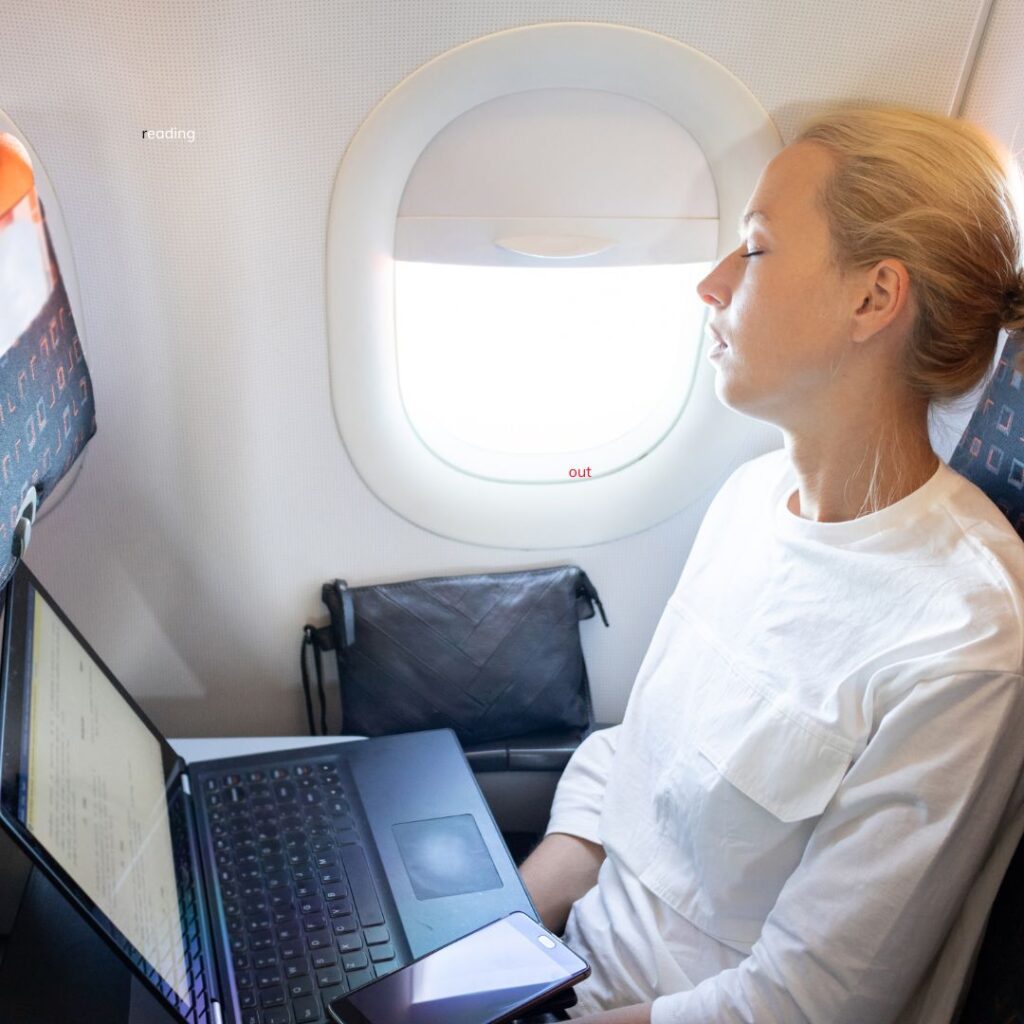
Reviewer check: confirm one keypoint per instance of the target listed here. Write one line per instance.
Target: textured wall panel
(995, 91)
(217, 494)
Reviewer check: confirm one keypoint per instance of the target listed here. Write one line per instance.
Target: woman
(825, 733)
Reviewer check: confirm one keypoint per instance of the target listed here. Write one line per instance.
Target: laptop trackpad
(445, 856)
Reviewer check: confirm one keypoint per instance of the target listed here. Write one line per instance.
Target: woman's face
(777, 301)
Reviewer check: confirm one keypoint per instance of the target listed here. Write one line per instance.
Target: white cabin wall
(217, 495)
(994, 96)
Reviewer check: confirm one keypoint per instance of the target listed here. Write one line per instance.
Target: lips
(718, 346)
(716, 337)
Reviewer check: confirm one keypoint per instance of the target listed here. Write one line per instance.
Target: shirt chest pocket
(740, 802)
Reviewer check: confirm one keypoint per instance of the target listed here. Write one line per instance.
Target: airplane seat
(46, 405)
(991, 454)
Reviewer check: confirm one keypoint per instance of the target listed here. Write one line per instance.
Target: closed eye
(755, 252)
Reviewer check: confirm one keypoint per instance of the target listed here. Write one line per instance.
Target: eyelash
(756, 252)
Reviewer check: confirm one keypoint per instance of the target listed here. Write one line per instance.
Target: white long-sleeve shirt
(822, 745)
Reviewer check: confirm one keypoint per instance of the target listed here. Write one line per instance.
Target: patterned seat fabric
(46, 401)
(991, 451)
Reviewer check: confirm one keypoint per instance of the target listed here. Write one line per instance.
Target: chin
(726, 390)
(732, 396)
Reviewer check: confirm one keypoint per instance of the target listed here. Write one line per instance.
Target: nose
(714, 289)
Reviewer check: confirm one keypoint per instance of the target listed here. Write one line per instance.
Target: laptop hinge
(185, 784)
(23, 524)
(217, 1015)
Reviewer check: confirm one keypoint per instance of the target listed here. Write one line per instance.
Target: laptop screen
(94, 790)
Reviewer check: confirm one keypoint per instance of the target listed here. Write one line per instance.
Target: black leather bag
(490, 656)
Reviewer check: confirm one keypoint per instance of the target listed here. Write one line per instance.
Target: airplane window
(546, 322)
(548, 246)
(514, 241)
(532, 373)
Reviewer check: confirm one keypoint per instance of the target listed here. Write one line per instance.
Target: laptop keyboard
(304, 920)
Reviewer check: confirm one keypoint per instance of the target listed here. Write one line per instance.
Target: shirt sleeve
(576, 809)
(886, 868)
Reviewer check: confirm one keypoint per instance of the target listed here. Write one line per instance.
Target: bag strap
(338, 599)
(340, 634)
(587, 591)
(307, 642)
(317, 640)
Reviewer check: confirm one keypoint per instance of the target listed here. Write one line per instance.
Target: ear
(882, 299)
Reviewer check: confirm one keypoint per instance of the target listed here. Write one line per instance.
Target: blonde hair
(938, 194)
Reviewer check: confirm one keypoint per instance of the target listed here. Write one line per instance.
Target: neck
(861, 467)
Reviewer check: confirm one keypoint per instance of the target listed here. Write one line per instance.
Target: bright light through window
(540, 361)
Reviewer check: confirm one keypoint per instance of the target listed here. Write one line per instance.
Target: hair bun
(1012, 314)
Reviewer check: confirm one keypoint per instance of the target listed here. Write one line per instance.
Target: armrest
(536, 752)
(543, 752)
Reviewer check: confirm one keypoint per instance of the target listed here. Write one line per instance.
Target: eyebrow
(747, 217)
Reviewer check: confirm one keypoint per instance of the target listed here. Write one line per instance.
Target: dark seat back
(991, 455)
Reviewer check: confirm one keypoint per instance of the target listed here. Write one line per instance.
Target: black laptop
(250, 890)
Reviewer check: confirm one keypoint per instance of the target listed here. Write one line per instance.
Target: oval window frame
(737, 137)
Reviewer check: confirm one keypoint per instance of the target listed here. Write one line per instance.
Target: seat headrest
(46, 401)
(991, 451)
